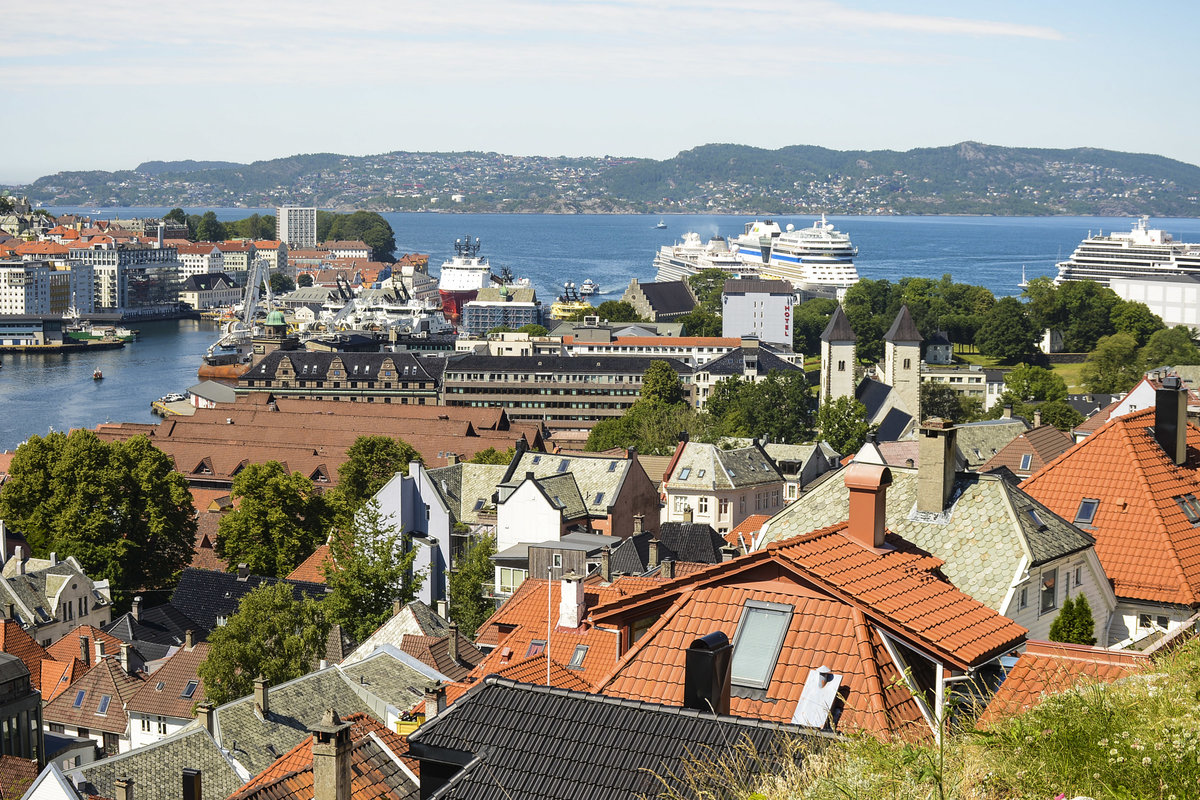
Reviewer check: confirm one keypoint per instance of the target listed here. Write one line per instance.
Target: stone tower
(902, 362)
(837, 358)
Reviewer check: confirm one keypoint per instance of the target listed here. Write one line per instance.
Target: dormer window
(757, 643)
(1087, 511)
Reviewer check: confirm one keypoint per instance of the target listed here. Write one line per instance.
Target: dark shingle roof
(668, 297)
(872, 394)
(157, 769)
(159, 629)
(501, 733)
(694, 542)
(733, 363)
(838, 329)
(207, 282)
(203, 595)
(315, 364)
(903, 329)
(893, 425)
(627, 365)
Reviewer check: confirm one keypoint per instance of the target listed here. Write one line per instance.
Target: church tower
(838, 344)
(902, 362)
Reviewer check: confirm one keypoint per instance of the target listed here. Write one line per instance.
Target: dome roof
(276, 318)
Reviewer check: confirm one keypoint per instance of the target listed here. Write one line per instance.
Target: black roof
(903, 328)
(204, 594)
(159, 629)
(732, 363)
(545, 743)
(939, 337)
(872, 394)
(893, 425)
(590, 364)
(838, 329)
(668, 297)
(680, 541)
(207, 282)
(315, 364)
(756, 285)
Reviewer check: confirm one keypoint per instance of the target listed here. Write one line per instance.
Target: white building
(202, 258)
(24, 287)
(50, 598)
(757, 308)
(297, 227)
(1175, 298)
(706, 484)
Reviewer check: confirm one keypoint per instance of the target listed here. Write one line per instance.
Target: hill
(966, 178)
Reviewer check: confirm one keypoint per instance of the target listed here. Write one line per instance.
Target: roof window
(684, 473)
(700, 474)
(1037, 520)
(535, 648)
(102, 706)
(599, 498)
(536, 460)
(79, 698)
(190, 689)
(612, 466)
(1087, 511)
(1190, 506)
(1026, 460)
(564, 465)
(578, 656)
(757, 643)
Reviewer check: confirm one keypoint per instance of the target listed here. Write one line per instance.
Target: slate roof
(563, 493)
(434, 651)
(105, 679)
(392, 676)
(414, 619)
(203, 595)
(872, 394)
(757, 285)
(463, 486)
(668, 297)
(157, 768)
(503, 731)
(838, 329)
(603, 477)
(733, 363)
(903, 329)
(159, 629)
(713, 469)
(893, 425)
(1042, 444)
(1047, 668)
(980, 441)
(208, 282)
(35, 588)
(1089, 404)
(1145, 542)
(981, 542)
(315, 364)
(162, 692)
(680, 541)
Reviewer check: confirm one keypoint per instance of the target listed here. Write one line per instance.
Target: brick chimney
(453, 642)
(652, 557)
(85, 651)
(687, 514)
(207, 716)
(243, 571)
(397, 606)
(1006, 411)
(123, 787)
(435, 700)
(668, 569)
(331, 747)
(572, 606)
(868, 502)
(261, 698)
(135, 610)
(606, 563)
(191, 784)
(189, 640)
(936, 458)
(1170, 419)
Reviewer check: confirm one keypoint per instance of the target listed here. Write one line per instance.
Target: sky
(89, 85)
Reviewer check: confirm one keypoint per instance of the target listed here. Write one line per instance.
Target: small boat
(661, 225)
(588, 288)
(97, 374)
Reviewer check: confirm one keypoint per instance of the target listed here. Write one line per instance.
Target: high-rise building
(297, 227)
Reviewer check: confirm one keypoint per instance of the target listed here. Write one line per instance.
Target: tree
(371, 462)
(939, 400)
(1170, 347)
(272, 634)
(1137, 320)
(209, 228)
(616, 311)
(708, 286)
(661, 384)
(118, 507)
(843, 423)
(533, 329)
(1060, 414)
(809, 320)
(1007, 332)
(1025, 384)
(779, 406)
(281, 284)
(473, 571)
(277, 521)
(701, 322)
(305, 279)
(176, 215)
(649, 427)
(493, 456)
(1113, 366)
(371, 567)
(1074, 623)
(364, 226)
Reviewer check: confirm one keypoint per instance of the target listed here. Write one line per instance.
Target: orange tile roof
(312, 569)
(1145, 543)
(103, 679)
(42, 249)
(506, 664)
(67, 647)
(742, 534)
(1051, 667)
(57, 676)
(15, 641)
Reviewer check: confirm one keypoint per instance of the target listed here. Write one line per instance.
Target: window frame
(751, 608)
(578, 656)
(1050, 591)
(1086, 519)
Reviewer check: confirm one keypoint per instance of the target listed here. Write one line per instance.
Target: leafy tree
(708, 285)
(176, 215)
(371, 462)
(843, 423)
(939, 400)
(493, 456)
(652, 428)
(1113, 366)
(1170, 347)
(1026, 383)
(473, 571)
(1007, 332)
(617, 311)
(1137, 320)
(305, 279)
(1060, 414)
(701, 322)
(661, 384)
(272, 634)
(118, 507)
(209, 228)
(364, 226)
(281, 284)
(371, 567)
(533, 329)
(277, 521)
(809, 320)
(1074, 623)
(779, 406)
(6, 205)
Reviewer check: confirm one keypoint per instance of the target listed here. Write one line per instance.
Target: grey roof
(207, 282)
(491, 294)
(979, 441)
(563, 492)
(895, 423)
(11, 668)
(157, 768)
(619, 329)
(29, 591)
(315, 364)
(838, 329)
(591, 363)
(415, 619)
(732, 363)
(939, 338)
(694, 542)
(467, 489)
(545, 744)
(903, 328)
(1088, 404)
(393, 676)
(710, 467)
(214, 391)
(757, 286)
(203, 595)
(599, 478)
(668, 297)
(982, 539)
(872, 394)
(159, 629)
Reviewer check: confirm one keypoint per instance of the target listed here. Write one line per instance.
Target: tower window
(841, 366)
(908, 363)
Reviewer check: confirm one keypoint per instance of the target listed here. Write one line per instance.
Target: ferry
(661, 225)
(1144, 252)
(588, 288)
(817, 260)
(569, 303)
(684, 259)
(462, 277)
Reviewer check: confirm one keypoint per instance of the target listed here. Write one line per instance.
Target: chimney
(1006, 413)
(453, 642)
(451, 459)
(243, 571)
(19, 555)
(260, 695)
(189, 640)
(191, 784)
(125, 666)
(99, 650)
(135, 610)
(571, 606)
(53, 559)
(1037, 418)
(937, 457)
(706, 674)
(10, 611)
(85, 651)
(443, 609)
(207, 715)
(652, 557)
(1170, 419)
(606, 563)
(124, 788)
(668, 569)
(687, 514)
(331, 746)
(397, 606)
(639, 521)
(868, 502)
(435, 700)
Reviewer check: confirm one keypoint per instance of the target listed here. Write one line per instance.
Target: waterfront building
(501, 306)
(296, 227)
(24, 330)
(372, 377)
(214, 290)
(346, 249)
(131, 275)
(695, 351)
(237, 256)
(24, 288)
(757, 308)
(200, 258)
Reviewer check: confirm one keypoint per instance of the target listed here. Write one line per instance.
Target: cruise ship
(817, 260)
(754, 245)
(1141, 253)
(681, 260)
(462, 277)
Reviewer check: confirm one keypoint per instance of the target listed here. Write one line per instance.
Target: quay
(63, 347)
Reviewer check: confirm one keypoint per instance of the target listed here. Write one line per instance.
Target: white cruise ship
(1142, 253)
(680, 261)
(817, 260)
(754, 245)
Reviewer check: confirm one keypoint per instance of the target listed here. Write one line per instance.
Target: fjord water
(38, 393)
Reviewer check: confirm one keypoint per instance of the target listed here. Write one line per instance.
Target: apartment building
(296, 227)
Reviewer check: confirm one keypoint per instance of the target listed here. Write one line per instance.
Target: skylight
(79, 698)
(102, 707)
(1026, 460)
(1087, 511)
(1190, 506)
(564, 465)
(757, 643)
(700, 474)
(578, 656)
(612, 466)
(684, 473)
(535, 648)
(190, 689)
(159, 687)
(536, 459)
(1037, 520)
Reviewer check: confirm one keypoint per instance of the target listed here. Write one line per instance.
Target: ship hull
(453, 300)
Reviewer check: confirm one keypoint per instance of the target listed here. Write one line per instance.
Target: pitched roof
(467, 489)
(414, 619)
(504, 731)
(14, 640)
(312, 569)
(16, 775)
(164, 692)
(68, 646)
(838, 329)
(603, 477)
(668, 297)
(1047, 668)
(1042, 445)
(1144, 539)
(979, 441)
(701, 466)
(434, 651)
(83, 705)
(203, 595)
(733, 363)
(157, 768)
(903, 328)
(742, 535)
(155, 631)
(694, 542)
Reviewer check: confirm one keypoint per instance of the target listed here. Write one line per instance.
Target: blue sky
(108, 85)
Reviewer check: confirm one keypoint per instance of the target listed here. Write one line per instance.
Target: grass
(1137, 738)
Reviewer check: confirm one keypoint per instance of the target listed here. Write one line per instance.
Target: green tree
(176, 215)
(1024, 384)
(473, 571)
(652, 428)
(708, 285)
(1074, 623)
(617, 311)
(209, 228)
(305, 279)
(1137, 320)
(493, 456)
(277, 521)
(371, 567)
(701, 322)
(779, 406)
(118, 507)
(1170, 347)
(1060, 414)
(281, 284)
(843, 423)
(939, 400)
(661, 384)
(371, 462)
(272, 634)
(364, 226)
(1007, 332)
(533, 329)
(1113, 366)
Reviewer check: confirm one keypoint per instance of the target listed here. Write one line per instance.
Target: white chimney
(571, 606)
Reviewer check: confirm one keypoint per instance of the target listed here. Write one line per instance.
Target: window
(578, 656)
(1087, 511)
(1163, 622)
(536, 648)
(757, 643)
(684, 473)
(1078, 576)
(1037, 520)
(700, 474)
(162, 726)
(702, 505)
(83, 606)
(556, 560)
(1049, 591)
(680, 505)
(841, 366)
(1190, 506)
(1024, 598)
(145, 724)
(564, 465)
(908, 363)
(1026, 460)
(1143, 620)
(722, 509)
(83, 733)
(102, 706)
(112, 744)
(79, 698)
(190, 689)
(510, 579)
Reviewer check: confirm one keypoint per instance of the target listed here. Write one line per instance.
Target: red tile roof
(163, 692)
(16, 775)
(67, 648)
(742, 535)
(104, 679)
(1042, 444)
(1051, 667)
(312, 569)
(1144, 540)
(15, 641)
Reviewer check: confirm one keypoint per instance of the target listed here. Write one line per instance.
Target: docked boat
(753, 246)
(84, 331)
(588, 288)
(569, 303)
(680, 261)
(817, 260)
(1144, 252)
(462, 277)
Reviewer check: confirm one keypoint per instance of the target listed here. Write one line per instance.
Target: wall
(139, 737)
(1094, 586)
(526, 516)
